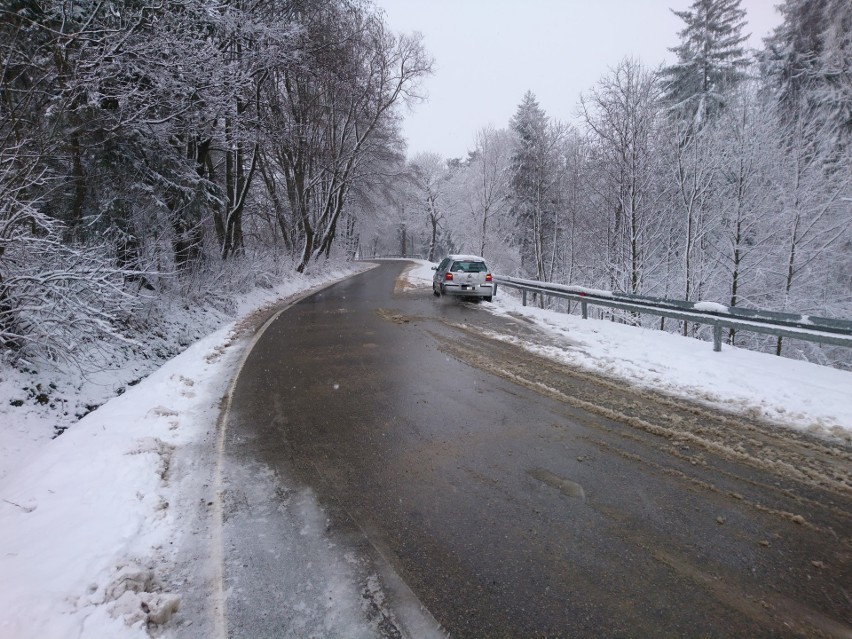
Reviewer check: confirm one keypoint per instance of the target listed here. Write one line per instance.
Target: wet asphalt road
(519, 498)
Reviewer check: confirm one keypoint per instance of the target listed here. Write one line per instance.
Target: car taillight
(488, 277)
(448, 277)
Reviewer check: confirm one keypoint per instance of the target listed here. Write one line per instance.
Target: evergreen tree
(710, 59)
(531, 181)
(807, 64)
(791, 57)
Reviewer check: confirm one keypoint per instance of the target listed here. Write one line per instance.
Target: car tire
(489, 298)
(435, 291)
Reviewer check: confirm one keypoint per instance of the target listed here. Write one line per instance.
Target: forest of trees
(146, 148)
(147, 145)
(725, 177)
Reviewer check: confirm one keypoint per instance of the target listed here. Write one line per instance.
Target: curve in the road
(518, 497)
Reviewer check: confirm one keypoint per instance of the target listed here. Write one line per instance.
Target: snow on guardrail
(710, 307)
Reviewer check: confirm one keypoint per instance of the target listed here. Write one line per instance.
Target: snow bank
(419, 273)
(79, 521)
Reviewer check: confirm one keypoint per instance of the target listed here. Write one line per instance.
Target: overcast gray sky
(488, 53)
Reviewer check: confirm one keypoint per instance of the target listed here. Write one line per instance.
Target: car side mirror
(434, 268)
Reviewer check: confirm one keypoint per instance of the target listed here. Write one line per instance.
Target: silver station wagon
(463, 276)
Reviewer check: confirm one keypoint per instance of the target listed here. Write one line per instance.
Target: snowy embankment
(89, 521)
(787, 392)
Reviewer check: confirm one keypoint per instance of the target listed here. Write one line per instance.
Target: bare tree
(489, 174)
(743, 233)
(691, 171)
(815, 217)
(622, 114)
(334, 110)
(431, 177)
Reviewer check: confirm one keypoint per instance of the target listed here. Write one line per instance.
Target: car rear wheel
(489, 298)
(435, 291)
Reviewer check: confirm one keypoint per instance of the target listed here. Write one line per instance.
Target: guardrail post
(584, 307)
(524, 296)
(717, 337)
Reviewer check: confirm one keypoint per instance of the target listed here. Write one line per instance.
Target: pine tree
(792, 51)
(710, 59)
(807, 65)
(531, 180)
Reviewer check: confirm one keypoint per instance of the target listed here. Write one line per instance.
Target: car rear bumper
(482, 290)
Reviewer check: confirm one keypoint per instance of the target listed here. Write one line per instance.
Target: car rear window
(468, 267)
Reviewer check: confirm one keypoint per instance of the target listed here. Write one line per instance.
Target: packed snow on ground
(787, 392)
(88, 521)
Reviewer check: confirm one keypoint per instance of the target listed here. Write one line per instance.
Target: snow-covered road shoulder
(783, 391)
(80, 523)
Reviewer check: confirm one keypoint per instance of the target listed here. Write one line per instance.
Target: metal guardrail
(796, 320)
(812, 329)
